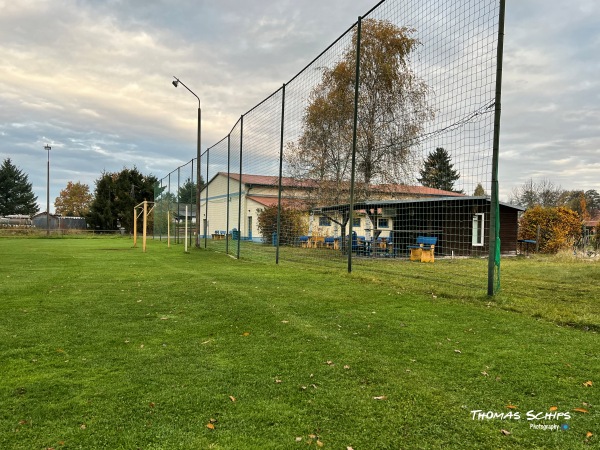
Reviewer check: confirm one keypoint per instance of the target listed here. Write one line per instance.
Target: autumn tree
(292, 224)
(392, 111)
(16, 193)
(115, 197)
(438, 171)
(74, 200)
(559, 227)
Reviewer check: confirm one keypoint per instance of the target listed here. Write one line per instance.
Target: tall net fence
(382, 148)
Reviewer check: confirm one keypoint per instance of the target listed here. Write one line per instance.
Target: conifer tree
(16, 193)
(438, 171)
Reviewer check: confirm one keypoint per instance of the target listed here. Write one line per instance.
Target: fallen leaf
(588, 383)
(581, 410)
(298, 439)
(330, 363)
(485, 374)
(457, 351)
(22, 422)
(349, 448)
(505, 432)
(232, 398)
(83, 426)
(312, 436)
(511, 406)
(164, 318)
(286, 321)
(553, 408)
(320, 444)
(210, 426)
(589, 434)
(346, 367)
(277, 381)
(381, 397)
(152, 405)
(246, 333)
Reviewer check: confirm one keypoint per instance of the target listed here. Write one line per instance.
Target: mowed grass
(103, 346)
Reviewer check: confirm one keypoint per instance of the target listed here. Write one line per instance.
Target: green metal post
(494, 239)
(354, 140)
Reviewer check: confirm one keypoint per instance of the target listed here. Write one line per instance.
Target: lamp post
(198, 172)
(48, 148)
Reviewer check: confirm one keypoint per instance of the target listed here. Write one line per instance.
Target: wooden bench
(423, 250)
(219, 235)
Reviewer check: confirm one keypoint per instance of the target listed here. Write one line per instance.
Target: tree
(187, 191)
(16, 193)
(74, 200)
(559, 227)
(543, 193)
(479, 191)
(115, 197)
(392, 111)
(293, 224)
(437, 171)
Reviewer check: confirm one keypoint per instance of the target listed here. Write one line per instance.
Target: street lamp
(198, 172)
(47, 147)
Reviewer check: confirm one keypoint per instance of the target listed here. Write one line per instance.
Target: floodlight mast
(176, 83)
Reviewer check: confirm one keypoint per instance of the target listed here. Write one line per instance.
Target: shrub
(559, 227)
(293, 224)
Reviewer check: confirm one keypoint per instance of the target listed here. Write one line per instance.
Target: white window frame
(478, 230)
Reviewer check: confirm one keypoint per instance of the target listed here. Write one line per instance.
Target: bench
(423, 250)
(219, 234)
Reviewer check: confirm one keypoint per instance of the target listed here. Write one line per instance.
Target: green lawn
(103, 346)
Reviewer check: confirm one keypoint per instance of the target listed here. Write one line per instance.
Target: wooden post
(134, 227)
(145, 224)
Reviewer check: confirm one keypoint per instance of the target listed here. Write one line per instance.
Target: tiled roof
(268, 180)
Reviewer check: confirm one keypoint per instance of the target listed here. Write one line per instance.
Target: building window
(356, 222)
(324, 221)
(383, 223)
(478, 229)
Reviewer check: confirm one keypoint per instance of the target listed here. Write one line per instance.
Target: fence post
(178, 190)
(280, 174)
(494, 240)
(354, 139)
(206, 196)
(227, 230)
(239, 234)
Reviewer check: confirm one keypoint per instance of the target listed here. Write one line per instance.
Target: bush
(559, 227)
(293, 224)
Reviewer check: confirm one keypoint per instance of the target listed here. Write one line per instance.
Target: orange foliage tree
(74, 200)
(559, 227)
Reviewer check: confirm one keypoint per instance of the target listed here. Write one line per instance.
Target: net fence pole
(198, 175)
(239, 227)
(206, 205)
(280, 175)
(227, 208)
(494, 256)
(178, 207)
(354, 140)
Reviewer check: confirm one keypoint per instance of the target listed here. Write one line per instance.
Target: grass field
(103, 346)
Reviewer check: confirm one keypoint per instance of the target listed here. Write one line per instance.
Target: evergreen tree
(16, 194)
(479, 191)
(187, 191)
(115, 197)
(438, 172)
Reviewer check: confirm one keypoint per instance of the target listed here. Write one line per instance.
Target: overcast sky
(93, 80)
